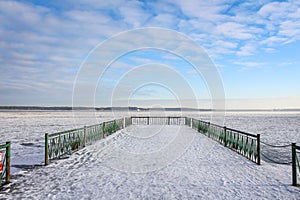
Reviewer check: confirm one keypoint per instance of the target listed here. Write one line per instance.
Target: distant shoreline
(68, 108)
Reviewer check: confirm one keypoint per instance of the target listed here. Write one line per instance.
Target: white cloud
(163, 7)
(20, 16)
(203, 10)
(163, 20)
(197, 25)
(171, 57)
(226, 44)
(23, 56)
(140, 61)
(247, 50)
(274, 40)
(249, 64)
(290, 29)
(234, 30)
(133, 14)
(120, 65)
(275, 11)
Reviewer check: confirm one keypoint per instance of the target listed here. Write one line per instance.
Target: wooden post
(168, 120)
(294, 165)
(258, 149)
(46, 149)
(191, 122)
(147, 120)
(7, 179)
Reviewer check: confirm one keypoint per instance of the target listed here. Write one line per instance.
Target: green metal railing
(295, 164)
(243, 143)
(149, 120)
(62, 143)
(187, 121)
(128, 121)
(5, 163)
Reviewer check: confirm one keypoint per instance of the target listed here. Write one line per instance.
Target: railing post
(84, 136)
(225, 136)
(147, 120)
(103, 129)
(168, 120)
(124, 122)
(46, 149)
(208, 126)
(258, 149)
(294, 164)
(191, 122)
(7, 178)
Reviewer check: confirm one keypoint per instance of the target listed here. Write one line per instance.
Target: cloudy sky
(253, 44)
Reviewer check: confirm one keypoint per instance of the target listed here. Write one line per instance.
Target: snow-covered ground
(126, 165)
(146, 161)
(26, 131)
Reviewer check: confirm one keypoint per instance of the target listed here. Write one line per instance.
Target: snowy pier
(62, 143)
(117, 167)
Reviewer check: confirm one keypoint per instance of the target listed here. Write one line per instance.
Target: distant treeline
(34, 108)
(133, 109)
(95, 108)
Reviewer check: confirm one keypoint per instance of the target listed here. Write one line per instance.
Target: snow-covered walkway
(154, 162)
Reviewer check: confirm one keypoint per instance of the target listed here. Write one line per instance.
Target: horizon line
(140, 108)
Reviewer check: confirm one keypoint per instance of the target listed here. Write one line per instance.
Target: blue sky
(254, 44)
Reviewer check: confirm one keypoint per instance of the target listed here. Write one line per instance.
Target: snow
(154, 162)
(26, 131)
